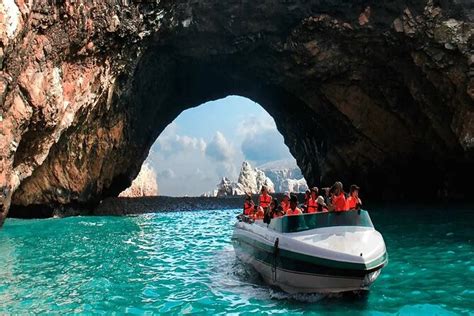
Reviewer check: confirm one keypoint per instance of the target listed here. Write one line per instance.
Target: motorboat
(327, 252)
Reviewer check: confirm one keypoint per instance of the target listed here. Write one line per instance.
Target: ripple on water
(184, 263)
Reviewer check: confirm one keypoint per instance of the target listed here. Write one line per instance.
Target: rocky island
(375, 93)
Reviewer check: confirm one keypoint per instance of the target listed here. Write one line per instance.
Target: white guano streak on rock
(12, 17)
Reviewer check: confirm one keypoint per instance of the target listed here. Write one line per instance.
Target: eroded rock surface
(377, 93)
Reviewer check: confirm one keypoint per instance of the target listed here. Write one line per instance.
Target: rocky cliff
(250, 180)
(144, 184)
(373, 92)
(285, 175)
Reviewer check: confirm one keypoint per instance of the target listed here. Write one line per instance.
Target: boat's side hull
(281, 269)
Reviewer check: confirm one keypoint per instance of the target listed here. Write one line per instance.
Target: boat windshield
(292, 224)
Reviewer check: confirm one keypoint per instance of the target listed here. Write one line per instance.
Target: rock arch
(375, 93)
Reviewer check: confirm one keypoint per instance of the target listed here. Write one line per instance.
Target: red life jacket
(311, 208)
(265, 200)
(248, 208)
(351, 203)
(291, 212)
(339, 202)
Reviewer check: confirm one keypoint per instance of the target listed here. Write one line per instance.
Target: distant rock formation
(144, 184)
(285, 175)
(250, 180)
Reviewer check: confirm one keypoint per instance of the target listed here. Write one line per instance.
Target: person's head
(314, 193)
(286, 197)
(354, 191)
(326, 191)
(248, 197)
(338, 189)
(264, 190)
(307, 194)
(273, 204)
(293, 201)
(320, 201)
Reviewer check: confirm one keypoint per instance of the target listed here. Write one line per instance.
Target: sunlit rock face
(377, 93)
(144, 184)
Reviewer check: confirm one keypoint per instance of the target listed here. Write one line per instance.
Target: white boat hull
(327, 260)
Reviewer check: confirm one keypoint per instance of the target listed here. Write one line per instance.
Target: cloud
(264, 146)
(219, 148)
(166, 174)
(169, 142)
(252, 125)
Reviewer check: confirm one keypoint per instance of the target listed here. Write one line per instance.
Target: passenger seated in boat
(307, 195)
(326, 194)
(285, 203)
(322, 207)
(276, 210)
(353, 201)
(311, 206)
(338, 199)
(294, 210)
(249, 205)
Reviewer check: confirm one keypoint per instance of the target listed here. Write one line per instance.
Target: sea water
(183, 262)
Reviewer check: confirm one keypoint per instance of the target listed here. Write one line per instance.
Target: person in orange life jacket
(293, 210)
(264, 202)
(285, 203)
(338, 200)
(353, 201)
(265, 199)
(307, 195)
(321, 205)
(249, 205)
(312, 205)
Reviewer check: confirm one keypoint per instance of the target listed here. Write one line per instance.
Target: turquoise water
(183, 262)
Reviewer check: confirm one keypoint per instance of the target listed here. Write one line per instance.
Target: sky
(205, 143)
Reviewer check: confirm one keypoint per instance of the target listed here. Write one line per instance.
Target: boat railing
(297, 223)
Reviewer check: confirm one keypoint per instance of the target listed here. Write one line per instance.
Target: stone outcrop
(377, 93)
(144, 184)
(285, 175)
(250, 180)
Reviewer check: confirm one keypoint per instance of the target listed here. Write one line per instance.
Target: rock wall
(376, 93)
(144, 184)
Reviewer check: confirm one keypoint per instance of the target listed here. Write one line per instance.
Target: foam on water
(184, 263)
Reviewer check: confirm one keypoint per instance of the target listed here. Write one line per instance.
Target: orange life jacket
(248, 208)
(351, 203)
(339, 202)
(260, 214)
(265, 200)
(312, 205)
(291, 212)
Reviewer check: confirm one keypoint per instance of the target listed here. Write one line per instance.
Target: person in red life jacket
(338, 200)
(353, 201)
(249, 205)
(307, 195)
(285, 203)
(265, 199)
(311, 205)
(294, 210)
(321, 204)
